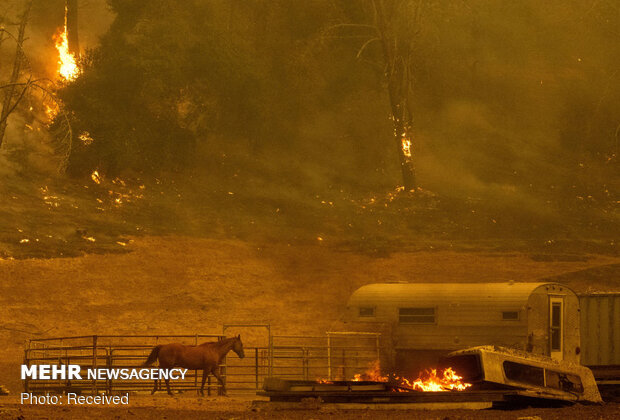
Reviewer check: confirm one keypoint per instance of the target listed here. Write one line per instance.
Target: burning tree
(39, 92)
(67, 43)
(394, 26)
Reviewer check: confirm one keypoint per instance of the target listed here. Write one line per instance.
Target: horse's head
(238, 347)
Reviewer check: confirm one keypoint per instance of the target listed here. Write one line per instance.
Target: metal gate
(334, 356)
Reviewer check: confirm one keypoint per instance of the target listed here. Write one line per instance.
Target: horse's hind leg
(204, 379)
(216, 373)
(168, 386)
(154, 388)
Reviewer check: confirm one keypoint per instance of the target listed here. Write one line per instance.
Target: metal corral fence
(336, 355)
(104, 351)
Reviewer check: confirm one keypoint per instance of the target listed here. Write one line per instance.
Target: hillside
(179, 284)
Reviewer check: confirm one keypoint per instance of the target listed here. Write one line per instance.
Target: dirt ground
(237, 408)
(185, 285)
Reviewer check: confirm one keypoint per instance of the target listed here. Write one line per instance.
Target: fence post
(27, 363)
(94, 365)
(256, 365)
(305, 368)
(270, 368)
(109, 363)
(329, 358)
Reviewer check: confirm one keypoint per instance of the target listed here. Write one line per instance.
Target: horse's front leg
(216, 373)
(205, 373)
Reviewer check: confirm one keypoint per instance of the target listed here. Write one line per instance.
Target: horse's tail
(153, 356)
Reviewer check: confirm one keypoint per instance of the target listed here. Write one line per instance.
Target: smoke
(513, 104)
(27, 148)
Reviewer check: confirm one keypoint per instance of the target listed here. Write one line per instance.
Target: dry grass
(175, 284)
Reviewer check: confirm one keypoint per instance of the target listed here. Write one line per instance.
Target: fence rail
(332, 356)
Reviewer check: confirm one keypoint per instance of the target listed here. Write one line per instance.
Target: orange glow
(96, 177)
(67, 65)
(429, 381)
(406, 145)
(373, 373)
(51, 112)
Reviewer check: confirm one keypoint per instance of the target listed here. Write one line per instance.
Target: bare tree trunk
(1, 41)
(399, 100)
(71, 13)
(7, 105)
(399, 82)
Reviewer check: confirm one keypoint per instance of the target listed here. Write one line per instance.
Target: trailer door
(556, 327)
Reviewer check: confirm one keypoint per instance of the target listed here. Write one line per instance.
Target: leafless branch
(363, 47)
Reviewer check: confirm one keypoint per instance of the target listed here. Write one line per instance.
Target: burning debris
(490, 374)
(96, 177)
(86, 139)
(428, 381)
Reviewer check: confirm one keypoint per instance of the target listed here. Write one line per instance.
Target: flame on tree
(67, 43)
(394, 26)
(397, 23)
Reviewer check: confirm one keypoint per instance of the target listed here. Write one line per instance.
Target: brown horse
(206, 357)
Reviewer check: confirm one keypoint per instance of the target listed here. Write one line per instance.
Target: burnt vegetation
(373, 125)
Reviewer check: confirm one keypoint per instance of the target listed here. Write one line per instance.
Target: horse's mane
(218, 343)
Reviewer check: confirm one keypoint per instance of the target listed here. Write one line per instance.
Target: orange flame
(96, 177)
(429, 381)
(67, 65)
(373, 373)
(406, 145)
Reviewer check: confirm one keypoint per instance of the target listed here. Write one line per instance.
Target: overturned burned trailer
(494, 376)
(534, 375)
(422, 322)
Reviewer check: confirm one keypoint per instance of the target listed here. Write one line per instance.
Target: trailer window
(526, 374)
(366, 311)
(510, 315)
(416, 315)
(563, 381)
